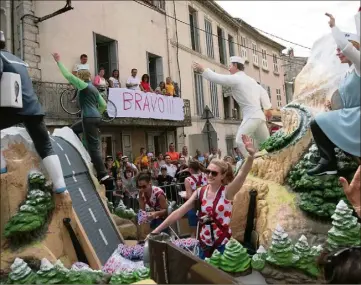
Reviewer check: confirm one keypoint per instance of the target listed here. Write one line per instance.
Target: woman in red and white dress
(197, 179)
(216, 203)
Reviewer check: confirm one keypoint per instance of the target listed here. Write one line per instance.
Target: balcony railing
(49, 96)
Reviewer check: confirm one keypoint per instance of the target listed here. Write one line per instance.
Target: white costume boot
(3, 168)
(53, 167)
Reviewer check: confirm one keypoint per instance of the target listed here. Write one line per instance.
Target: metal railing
(49, 97)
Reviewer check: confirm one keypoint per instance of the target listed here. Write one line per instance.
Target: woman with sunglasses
(215, 203)
(154, 198)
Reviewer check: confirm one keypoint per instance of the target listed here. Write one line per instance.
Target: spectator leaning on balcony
(161, 88)
(83, 65)
(169, 87)
(100, 82)
(249, 95)
(133, 82)
(114, 81)
(144, 84)
(31, 115)
(89, 100)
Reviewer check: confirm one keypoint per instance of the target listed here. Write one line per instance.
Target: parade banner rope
(138, 104)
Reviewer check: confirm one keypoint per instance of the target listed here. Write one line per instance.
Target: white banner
(137, 104)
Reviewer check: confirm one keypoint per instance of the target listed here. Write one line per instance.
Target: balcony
(49, 96)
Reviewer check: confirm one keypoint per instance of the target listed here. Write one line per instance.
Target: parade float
(50, 239)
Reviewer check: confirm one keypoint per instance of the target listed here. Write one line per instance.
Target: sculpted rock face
(55, 243)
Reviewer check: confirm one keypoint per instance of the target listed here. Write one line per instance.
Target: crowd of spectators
(167, 87)
(168, 171)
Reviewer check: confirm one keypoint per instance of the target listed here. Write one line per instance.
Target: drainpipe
(22, 32)
(12, 7)
(168, 43)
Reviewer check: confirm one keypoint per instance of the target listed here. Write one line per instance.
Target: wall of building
(136, 28)
(139, 29)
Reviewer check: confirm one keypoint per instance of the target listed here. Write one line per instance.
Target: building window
(160, 4)
(214, 99)
(237, 115)
(279, 98)
(209, 38)
(254, 53)
(244, 48)
(226, 95)
(229, 145)
(222, 46)
(106, 54)
(275, 63)
(193, 24)
(155, 69)
(264, 59)
(198, 85)
(231, 45)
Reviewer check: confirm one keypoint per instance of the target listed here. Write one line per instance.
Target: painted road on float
(87, 203)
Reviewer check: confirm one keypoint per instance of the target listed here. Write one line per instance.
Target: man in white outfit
(250, 96)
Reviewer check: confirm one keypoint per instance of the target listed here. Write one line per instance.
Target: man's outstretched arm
(222, 79)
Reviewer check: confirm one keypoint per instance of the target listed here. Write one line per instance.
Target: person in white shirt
(83, 65)
(171, 168)
(249, 95)
(133, 81)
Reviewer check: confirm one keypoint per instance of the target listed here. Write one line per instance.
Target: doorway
(106, 54)
(155, 69)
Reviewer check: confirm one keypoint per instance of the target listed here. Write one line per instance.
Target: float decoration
(306, 258)
(281, 250)
(319, 194)
(122, 211)
(28, 223)
(345, 231)
(215, 259)
(259, 259)
(235, 258)
(21, 273)
(48, 274)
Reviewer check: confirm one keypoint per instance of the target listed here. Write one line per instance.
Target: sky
(301, 22)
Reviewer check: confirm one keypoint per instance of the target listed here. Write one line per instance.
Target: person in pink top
(197, 179)
(214, 203)
(153, 197)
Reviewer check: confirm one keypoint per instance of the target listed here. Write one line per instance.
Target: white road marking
(103, 237)
(82, 194)
(52, 139)
(74, 178)
(60, 146)
(92, 214)
(67, 158)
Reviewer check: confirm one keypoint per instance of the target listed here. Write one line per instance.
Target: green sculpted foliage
(345, 231)
(29, 221)
(281, 250)
(21, 273)
(277, 141)
(259, 259)
(215, 259)
(122, 212)
(306, 257)
(319, 194)
(235, 257)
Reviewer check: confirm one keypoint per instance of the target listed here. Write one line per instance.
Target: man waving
(250, 96)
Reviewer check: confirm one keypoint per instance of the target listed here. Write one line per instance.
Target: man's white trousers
(254, 128)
